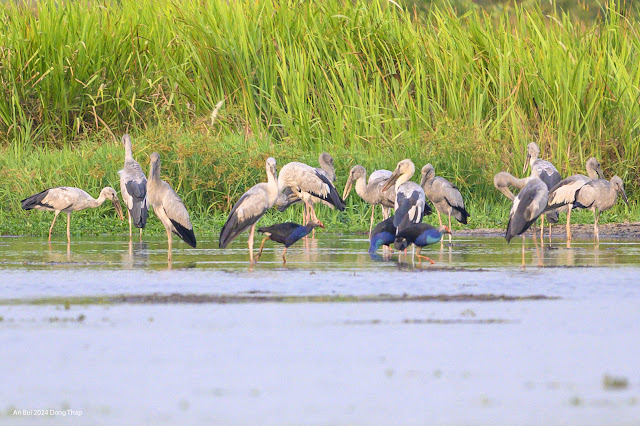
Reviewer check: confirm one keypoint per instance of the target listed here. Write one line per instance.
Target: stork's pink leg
(68, 228)
(55, 216)
(250, 242)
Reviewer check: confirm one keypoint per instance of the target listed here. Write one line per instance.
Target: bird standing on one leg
(286, 233)
(250, 208)
(133, 186)
(69, 199)
(168, 206)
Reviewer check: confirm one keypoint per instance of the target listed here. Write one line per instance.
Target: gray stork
(410, 198)
(564, 193)
(309, 185)
(526, 208)
(168, 206)
(133, 187)
(250, 208)
(444, 195)
(288, 197)
(546, 172)
(503, 180)
(598, 196)
(69, 199)
(371, 192)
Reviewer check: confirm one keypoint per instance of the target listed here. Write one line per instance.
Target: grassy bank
(368, 81)
(211, 174)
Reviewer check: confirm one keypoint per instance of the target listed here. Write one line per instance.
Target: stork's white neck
(272, 186)
(406, 176)
(361, 185)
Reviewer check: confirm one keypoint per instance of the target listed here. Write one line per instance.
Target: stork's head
(404, 168)
(428, 173)
(110, 194)
(356, 173)
(325, 158)
(617, 184)
(271, 167)
(594, 168)
(533, 151)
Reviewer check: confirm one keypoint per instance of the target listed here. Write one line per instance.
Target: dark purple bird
(421, 235)
(286, 233)
(384, 234)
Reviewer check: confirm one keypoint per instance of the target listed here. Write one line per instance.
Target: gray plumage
(168, 206)
(69, 199)
(546, 172)
(133, 187)
(598, 196)
(371, 192)
(444, 195)
(309, 185)
(250, 208)
(527, 207)
(503, 180)
(542, 169)
(410, 198)
(564, 192)
(288, 198)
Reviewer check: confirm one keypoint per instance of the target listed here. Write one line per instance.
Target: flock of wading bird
(543, 194)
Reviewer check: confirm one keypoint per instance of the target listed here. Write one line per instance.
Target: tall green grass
(368, 81)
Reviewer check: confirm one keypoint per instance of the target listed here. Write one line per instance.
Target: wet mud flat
(629, 230)
(335, 336)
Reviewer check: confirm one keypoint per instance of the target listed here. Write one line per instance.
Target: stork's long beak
(347, 188)
(526, 163)
(392, 179)
(599, 172)
(116, 205)
(624, 197)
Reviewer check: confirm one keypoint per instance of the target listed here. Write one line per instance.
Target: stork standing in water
(250, 208)
(133, 186)
(548, 174)
(563, 194)
(309, 185)
(410, 198)
(69, 199)
(287, 198)
(168, 206)
(527, 207)
(444, 195)
(599, 195)
(371, 192)
(286, 233)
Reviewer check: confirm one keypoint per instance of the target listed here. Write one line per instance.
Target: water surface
(501, 362)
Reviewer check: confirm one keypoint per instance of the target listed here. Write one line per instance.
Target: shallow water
(526, 362)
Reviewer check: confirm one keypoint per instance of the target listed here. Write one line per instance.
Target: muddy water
(569, 356)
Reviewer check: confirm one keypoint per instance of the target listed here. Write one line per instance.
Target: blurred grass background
(463, 85)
